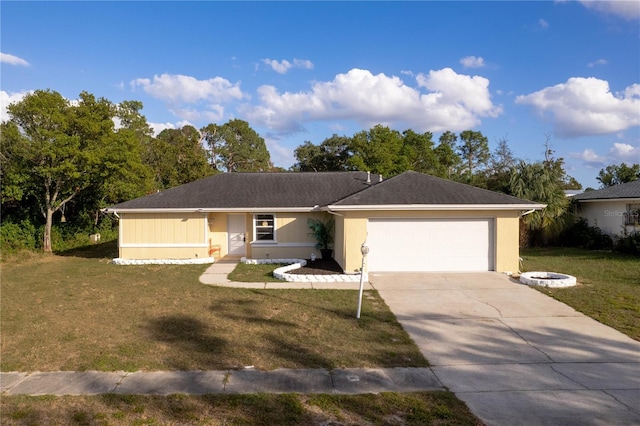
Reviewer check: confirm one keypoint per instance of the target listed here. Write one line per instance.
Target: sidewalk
(338, 381)
(216, 275)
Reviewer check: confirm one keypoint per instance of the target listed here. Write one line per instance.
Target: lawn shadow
(192, 339)
(106, 250)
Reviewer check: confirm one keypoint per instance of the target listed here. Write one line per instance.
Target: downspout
(527, 212)
(520, 258)
(115, 213)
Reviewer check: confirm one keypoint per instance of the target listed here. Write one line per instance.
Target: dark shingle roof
(417, 188)
(306, 190)
(254, 190)
(624, 190)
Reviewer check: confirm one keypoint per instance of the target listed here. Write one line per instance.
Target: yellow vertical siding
(162, 235)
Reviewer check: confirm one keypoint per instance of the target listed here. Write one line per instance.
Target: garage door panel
(431, 245)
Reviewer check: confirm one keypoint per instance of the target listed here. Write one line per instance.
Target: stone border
(556, 280)
(196, 261)
(281, 273)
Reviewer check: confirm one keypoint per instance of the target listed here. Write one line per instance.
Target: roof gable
(624, 190)
(413, 188)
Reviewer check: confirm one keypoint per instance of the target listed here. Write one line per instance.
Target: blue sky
(568, 71)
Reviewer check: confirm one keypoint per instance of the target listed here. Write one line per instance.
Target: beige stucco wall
(506, 231)
(163, 235)
(292, 237)
(607, 215)
(187, 235)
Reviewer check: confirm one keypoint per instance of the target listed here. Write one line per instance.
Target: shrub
(15, 237)
(629, 244)
(581, 235)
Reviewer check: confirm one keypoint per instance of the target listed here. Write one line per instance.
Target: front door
(237, 234)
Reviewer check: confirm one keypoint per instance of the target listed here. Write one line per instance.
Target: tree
(500, 165)
(177, 157)
(378, 151)
(540, 183)
(615, 175)
(418, 152)
(60, 151)
(447, 159)
(332, 154)
(308, 158)
(236, 147)
(474, 149)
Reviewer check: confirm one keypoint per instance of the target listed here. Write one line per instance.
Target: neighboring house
(615, 209)
(411, 222)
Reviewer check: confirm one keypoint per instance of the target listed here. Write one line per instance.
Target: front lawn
(78, 311)
(420, 408)
(608, 284)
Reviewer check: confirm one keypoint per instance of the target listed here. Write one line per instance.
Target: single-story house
(615, 209)
(411, 222)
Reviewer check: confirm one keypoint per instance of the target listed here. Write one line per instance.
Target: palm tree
(541, 184)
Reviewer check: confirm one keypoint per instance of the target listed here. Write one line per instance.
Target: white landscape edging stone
(196, 261)
(547, 279)
(291, 264)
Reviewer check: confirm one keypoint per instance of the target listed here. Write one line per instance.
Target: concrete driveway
(514, 355)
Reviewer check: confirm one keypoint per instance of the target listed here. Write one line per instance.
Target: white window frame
(256, 226)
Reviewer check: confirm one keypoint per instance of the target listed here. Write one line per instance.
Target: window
(632, 216)
(264, 226)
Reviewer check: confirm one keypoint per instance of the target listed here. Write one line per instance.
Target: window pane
(264, 226)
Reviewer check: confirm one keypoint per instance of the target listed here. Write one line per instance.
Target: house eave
(437, 207)
(603, 200)
(216, 210)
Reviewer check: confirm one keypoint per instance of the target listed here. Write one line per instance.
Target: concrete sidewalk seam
(633, 409)
(124, 376)
(514, 331)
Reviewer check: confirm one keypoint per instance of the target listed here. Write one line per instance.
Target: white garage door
(431, 245)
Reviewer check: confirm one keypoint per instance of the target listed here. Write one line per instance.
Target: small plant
(322, 232)
(629, 243)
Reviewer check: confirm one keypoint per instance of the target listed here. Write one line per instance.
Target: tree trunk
(46, 244)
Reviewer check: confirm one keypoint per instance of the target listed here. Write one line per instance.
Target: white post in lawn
(364, 249)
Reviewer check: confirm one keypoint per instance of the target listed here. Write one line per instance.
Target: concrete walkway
(338, 381)
(514, 355)
(216, 275)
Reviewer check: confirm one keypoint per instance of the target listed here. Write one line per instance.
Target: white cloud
(176, 88)
(589, 157)
(598, 62)
(625, 152)
(6, 58)
(451, 102)
(472, 62)
(543, 24)
(627, 9)
(283, 66)
(7, 99)
(184, 93)
(586, 106)
(159, 127)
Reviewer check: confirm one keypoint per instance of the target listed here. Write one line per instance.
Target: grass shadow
(106, 250)
(193, 339)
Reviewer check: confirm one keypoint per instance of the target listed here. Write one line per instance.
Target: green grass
(254, 273)
(420, 408)
(78, 311)
(608, 284)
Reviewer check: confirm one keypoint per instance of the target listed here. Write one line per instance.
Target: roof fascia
(438, 207)
(595, 200)
(217, 210)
